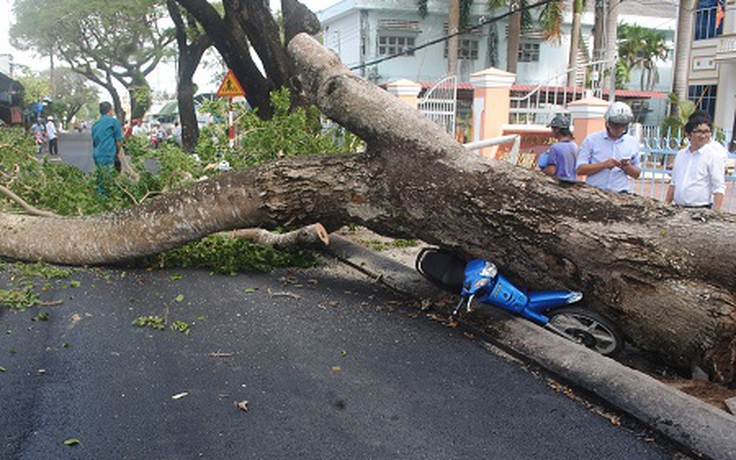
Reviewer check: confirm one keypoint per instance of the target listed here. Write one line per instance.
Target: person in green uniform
(107, 138)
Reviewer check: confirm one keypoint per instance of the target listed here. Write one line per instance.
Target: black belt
(709, 206)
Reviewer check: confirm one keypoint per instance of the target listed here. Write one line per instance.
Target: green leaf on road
(182, 327)
(43, 316)
(179, 298)
(71, 442)
(175, 277)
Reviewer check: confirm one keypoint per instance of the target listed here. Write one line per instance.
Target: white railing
(513, 139)
(547, 99)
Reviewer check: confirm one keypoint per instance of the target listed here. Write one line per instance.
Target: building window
(704, 97)
(389, 45)
(466, 49)
(528, 52)
(709, 19)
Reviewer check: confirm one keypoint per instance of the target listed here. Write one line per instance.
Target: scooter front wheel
(591, 329)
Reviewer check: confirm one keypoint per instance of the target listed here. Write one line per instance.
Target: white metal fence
(439, 104)
(547, 99)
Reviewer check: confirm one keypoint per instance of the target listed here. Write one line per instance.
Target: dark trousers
(53, 146)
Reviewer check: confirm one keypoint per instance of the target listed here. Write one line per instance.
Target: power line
(447, 37)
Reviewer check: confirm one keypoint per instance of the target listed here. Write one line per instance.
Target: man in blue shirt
(609, 157)
(107, 138)
(562, 154)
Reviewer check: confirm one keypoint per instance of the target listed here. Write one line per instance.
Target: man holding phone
(609, 157)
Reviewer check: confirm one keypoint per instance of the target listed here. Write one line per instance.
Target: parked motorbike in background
(479, 280)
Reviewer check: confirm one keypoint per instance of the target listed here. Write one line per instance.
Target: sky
(161, 80)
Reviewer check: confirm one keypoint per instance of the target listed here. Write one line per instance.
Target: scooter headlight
(480, 283)
(489, 270)
(487, 273)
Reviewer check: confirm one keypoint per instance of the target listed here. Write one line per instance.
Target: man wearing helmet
(609, 157)
(562, 154)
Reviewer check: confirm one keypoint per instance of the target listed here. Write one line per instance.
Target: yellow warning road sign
(230, 86)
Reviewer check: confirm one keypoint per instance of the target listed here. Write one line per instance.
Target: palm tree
(577, 20)
(459, 11)
(682, 51)
(453, 26)
(640, 48)
(550, 19)
(611, 46)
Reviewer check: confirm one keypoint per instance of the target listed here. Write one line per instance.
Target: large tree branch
(275, 194)
(666, 276)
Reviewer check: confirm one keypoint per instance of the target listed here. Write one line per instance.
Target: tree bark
(513, 36)
(572, 61)
(453, 26)
(666, 276)
(190, 54)
(611, 47)
(682, 52)
(311, 235)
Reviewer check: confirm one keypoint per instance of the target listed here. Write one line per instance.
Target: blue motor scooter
(479, 280)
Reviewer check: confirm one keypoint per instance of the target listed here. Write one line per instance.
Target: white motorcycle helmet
(619, 113)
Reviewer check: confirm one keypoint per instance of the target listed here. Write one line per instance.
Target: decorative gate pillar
(405, 90)
(491, 104)
(587, 117)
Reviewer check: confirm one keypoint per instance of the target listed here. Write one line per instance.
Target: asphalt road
(331, 366)
(76, 149)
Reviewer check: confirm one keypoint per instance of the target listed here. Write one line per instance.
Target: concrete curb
(684, 419)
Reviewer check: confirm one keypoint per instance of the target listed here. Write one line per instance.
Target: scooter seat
(443, 268)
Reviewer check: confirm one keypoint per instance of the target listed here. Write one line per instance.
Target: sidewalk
(698, 426)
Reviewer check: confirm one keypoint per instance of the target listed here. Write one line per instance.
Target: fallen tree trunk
(311, 235)
(665, 276)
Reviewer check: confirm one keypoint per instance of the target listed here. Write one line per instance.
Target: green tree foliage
(288, 133)
(673, 125)
(102, 40)
(640, 48)
(36, 87)
(73, 92)
(65, 190)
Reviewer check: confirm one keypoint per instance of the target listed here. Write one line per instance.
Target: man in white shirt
(713, 144)
(51, 136)
(698, 175)
(609, 157)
